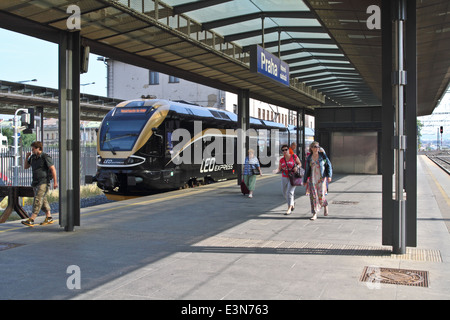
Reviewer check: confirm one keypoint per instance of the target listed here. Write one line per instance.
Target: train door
(171, 126)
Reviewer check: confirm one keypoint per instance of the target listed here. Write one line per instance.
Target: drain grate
(344, 202)
(7, 245)
(405, 277)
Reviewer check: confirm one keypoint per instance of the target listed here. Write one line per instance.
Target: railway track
(441, 159)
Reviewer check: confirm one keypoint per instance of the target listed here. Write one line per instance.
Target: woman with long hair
(318, 172)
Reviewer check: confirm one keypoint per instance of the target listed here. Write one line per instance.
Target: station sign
(265, 63)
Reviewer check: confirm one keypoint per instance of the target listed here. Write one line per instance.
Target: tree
(419, 133)
(25, 139)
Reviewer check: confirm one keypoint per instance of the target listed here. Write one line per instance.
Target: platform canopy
(333, 56)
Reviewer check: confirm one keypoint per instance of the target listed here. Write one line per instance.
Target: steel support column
(243, 124)
(399, 215)
(69, 130)
(411, 126)
(387, 124)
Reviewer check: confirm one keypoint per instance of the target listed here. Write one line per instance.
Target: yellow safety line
(181, 195)
(1, 231)
(176, 196)
(444, 194)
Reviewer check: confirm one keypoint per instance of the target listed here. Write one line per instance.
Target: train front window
(121, 129)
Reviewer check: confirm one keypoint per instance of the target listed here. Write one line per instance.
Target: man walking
(43, 171)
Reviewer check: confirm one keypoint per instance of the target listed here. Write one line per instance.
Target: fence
(87, 165)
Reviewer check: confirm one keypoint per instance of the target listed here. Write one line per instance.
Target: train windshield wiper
(111, 148)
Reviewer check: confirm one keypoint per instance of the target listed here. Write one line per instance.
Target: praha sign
(265, 63)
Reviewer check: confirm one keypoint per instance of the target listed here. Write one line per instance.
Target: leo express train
(147, 145)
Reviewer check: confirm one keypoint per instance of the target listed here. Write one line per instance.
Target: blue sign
(265, 63)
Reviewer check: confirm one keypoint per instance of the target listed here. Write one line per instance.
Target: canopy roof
(329, 48)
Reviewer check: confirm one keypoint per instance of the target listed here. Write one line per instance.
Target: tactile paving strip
(296, 247)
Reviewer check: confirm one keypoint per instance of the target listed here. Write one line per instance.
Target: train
(3, 143)
(150, 145)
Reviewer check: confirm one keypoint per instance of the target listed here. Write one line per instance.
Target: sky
(24, 58)
(439, 117)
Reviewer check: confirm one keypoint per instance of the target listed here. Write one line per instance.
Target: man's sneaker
(48, 220)
(28, 222)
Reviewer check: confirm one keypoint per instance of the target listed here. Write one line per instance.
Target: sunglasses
(316, 147)
(284, 149)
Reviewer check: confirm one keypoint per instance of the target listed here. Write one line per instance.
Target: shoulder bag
(295, 178)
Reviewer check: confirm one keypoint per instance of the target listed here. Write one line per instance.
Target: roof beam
(330, 70)
(257, 15)
(333, 80)
(271, 44)
(328, 90)
(338, 82)
(312, 57)
(18, 24)
(254, 33)
(192, 6)
(322, 64)
(337, 91)
(310, 50)
(347, 76)
(335, 84)
(307, 50)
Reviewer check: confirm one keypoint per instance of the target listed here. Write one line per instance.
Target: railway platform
(213, 243)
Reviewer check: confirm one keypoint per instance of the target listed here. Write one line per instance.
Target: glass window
(120, 129)
(173, 79)
(153, 77)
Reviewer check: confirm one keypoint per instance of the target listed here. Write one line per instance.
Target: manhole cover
(6, 245)
(345, 202)
(395, 276)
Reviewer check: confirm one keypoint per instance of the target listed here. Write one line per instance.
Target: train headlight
(134, 160)
(139, 179)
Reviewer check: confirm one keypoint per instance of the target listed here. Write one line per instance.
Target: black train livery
(147, 145)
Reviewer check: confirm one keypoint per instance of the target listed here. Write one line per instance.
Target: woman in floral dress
(319, 171)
